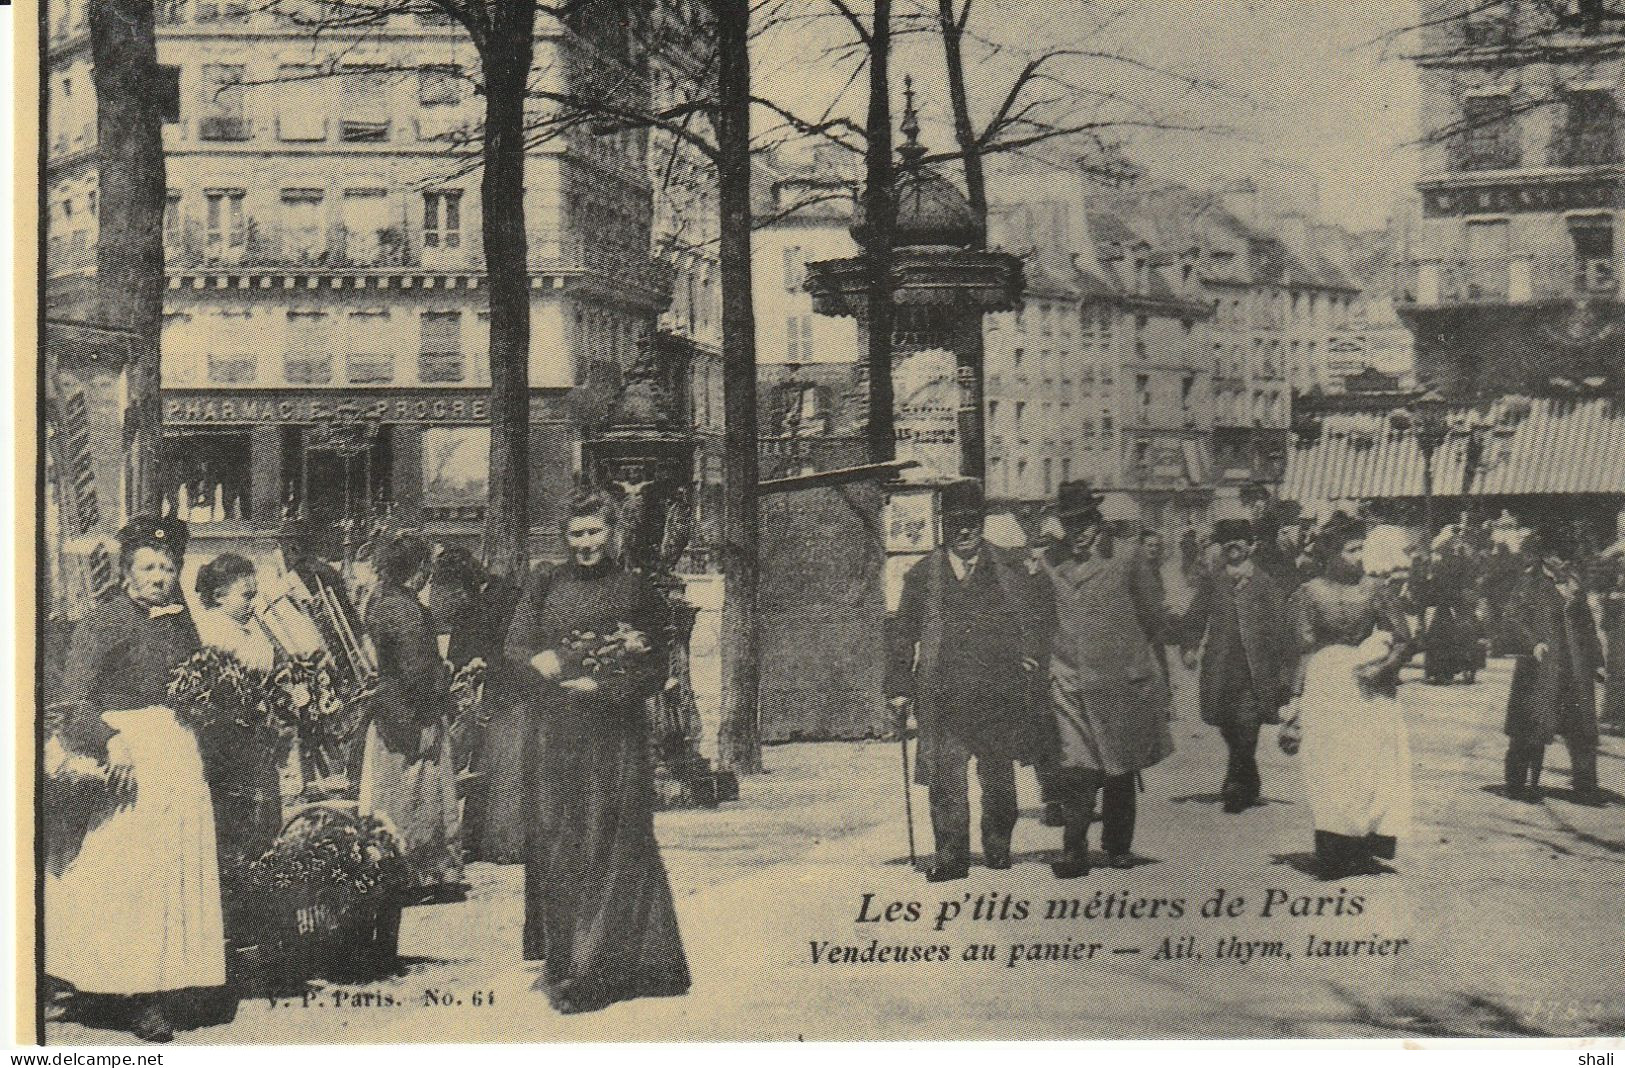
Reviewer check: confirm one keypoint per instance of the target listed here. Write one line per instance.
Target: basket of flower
(333, 886)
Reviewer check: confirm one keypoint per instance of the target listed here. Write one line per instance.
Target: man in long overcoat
(1110, 698)
(965, 645)
(1554, 678)
(1238, 620)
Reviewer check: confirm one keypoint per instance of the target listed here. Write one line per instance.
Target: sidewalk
(1512, 913)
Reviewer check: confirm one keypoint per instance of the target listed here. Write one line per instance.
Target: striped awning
(1512, 446)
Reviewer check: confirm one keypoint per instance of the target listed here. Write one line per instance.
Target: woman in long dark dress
(1452, 644)
(132, 909)
(598, 906)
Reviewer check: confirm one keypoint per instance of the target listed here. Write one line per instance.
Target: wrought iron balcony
(1514, 279)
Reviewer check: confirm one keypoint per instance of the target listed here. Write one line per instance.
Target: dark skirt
(1452, 644)
(246, 789)
(498, 812)
(598, 906)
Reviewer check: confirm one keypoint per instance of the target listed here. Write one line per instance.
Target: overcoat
(1266, 638)
(1556, 694)
(1111, 699)
(916, 662)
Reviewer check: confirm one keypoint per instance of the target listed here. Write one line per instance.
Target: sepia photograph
(827, 520)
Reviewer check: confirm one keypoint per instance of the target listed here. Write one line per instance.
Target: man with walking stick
(966, 642)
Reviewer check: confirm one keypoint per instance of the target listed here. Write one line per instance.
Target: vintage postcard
(820, 519)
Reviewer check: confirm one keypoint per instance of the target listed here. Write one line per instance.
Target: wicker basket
(320, 936)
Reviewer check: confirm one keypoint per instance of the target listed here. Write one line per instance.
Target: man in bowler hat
(965, 645)
(1109, 695)
(1238, 621)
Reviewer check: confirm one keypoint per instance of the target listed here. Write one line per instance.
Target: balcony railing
(1504, 280)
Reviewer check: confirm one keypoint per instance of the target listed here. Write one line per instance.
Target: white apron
(1355, 753)
(138, 910)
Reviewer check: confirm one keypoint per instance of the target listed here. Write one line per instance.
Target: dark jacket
(413, 691)
(119, 657)
(1556, 694)
(1011, 720)
(1248, 620)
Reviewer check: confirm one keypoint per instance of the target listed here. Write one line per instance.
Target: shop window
(206, 477)
(456, 472)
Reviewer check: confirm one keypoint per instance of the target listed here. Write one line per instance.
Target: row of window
(308, 358)
(358, 226)
(1488, 134)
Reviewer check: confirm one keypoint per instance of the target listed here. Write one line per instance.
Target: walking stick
(908, 796)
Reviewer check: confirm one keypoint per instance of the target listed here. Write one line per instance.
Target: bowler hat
(1078, 501)
(964, 495)
(151, 532)
(1228, 530)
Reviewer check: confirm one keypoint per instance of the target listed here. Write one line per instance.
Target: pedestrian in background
(1237, 628)
(1110, 697)
(1553, 679)
(966, 643)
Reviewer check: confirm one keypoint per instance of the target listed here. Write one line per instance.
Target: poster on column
(345, 721)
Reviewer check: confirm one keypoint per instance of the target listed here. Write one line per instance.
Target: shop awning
(1513, 446)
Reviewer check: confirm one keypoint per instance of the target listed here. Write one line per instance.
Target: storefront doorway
(340, 479)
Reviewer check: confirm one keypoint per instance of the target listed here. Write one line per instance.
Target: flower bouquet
(616, 653)
(307, 698)
(221, 699)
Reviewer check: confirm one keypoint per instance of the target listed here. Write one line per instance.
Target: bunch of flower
(607, 654)
(214, 689)
(334, 857)
(307, 698)
(465, 688)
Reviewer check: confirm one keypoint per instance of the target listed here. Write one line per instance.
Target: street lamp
(1425, 420)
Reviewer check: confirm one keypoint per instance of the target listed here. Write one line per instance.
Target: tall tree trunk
(130, 220)
(740, 734)
(506, 60)
(964, 133)
(971, 352)
(880, 219)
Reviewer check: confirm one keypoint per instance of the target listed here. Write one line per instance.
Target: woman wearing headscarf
(1355, 752)
(598, 906)
(132, 911)
(240, 767)
(407, 774)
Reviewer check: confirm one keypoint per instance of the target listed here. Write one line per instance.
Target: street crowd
(1057, 658)
(289, 743)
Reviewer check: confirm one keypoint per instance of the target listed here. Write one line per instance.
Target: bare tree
(130, 98)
